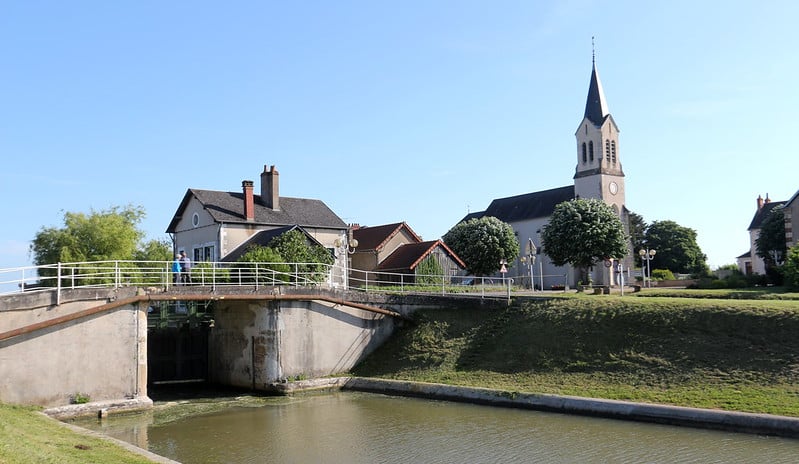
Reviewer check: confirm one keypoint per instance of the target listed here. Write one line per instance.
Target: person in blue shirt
(176, 269)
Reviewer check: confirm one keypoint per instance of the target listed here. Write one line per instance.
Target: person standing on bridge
(185, 267)
(176, 269)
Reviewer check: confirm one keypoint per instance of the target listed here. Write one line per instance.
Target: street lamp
(347, 246)
(646, 255)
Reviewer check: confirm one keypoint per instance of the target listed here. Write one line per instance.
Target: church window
(585, 156)
(607, 151)
(591, 150)
(613, 151)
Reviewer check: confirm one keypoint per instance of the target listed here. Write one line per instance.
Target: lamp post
(646, 256)
(345, 246)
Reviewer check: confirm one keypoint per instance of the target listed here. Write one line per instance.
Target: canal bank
(730, 421)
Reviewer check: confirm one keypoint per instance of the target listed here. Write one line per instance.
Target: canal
(369, 428)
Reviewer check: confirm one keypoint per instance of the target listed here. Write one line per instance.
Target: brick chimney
(270, 188)
(249, 202)
(759, 202)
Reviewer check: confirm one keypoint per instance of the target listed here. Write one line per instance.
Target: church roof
(596, 107)
(527, 206)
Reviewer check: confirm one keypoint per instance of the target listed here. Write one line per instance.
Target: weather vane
(593, 51)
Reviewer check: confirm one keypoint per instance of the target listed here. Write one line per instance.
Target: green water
(366, 428)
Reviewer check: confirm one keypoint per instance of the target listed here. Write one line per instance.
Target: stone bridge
(111, 344)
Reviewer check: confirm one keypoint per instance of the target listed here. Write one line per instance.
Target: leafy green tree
(292, 247)
(770, 243)
(636, 227)
(98, 236)
(429, 271)
(676, 248)
(154, 250)
(791, 268)
(108, 235)
(582, 232)
(482, 243)
(267, 265)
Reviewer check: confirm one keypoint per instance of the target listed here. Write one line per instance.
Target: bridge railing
(116, 274)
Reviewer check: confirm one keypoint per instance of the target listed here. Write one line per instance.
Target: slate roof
(596, 107)
(761, 213)
(408, 256)
(263, 238)
(527, 206)
(228, 208)
(374, 238)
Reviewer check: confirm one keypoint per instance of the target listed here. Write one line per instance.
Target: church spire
(596, 108)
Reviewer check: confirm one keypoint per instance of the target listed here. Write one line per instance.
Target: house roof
(228, 208)
(527, 206)
(263, 238)
(748, 254)
(762, 213)
(409, 255)
(376, 237)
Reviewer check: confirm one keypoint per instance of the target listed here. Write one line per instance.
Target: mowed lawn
(703, 352)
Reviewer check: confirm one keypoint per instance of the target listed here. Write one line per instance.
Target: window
(613, 151)
(204, 253)
(195, 219)
(607, 151)
(585, 156)
(591, 150)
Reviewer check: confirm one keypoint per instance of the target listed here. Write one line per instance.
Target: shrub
(662, 274)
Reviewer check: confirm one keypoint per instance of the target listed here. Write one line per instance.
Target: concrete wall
(102, 356)
(255, 344)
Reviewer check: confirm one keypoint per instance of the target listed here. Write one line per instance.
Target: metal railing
(115, 274)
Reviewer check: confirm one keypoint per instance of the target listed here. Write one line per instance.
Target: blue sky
(411, 111)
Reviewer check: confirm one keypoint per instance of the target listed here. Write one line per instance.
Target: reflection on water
(367, 428)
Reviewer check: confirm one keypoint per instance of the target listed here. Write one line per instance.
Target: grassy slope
(727, 354)
(27, 437)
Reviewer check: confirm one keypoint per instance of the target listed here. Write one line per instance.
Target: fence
(116, 274)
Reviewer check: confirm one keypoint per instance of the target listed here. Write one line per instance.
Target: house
(750, 263)
(791, 211)
(598, 174)
(387, 251)
(215, 225)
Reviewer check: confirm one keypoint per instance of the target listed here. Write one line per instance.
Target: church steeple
(596, 108)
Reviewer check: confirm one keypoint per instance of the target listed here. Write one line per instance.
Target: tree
(265, 259)
(770, 242)
(291, 247)
(676, 248)
(154, 250)
(582, 232)
(636, 227)
(482, 243)
(107, 235)
(101, 235)
(791, 268)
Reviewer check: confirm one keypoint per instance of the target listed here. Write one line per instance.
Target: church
(598, 174)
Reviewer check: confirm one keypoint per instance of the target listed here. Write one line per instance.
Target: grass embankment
(738, 355)
(28, 437)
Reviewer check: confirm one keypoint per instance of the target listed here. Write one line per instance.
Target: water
(366, 428)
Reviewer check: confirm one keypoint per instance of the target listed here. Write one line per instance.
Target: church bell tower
(598, 173)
